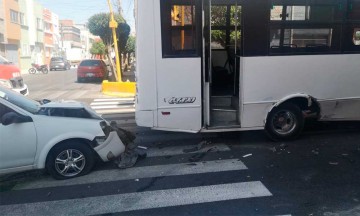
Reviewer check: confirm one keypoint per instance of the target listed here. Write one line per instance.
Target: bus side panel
(146, 101)
(178, 87)
(328, 78)
(179, 93)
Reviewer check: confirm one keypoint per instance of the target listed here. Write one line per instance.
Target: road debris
(197, 147)
(333, 163)
(131, 155)
(247, 155)
(315, 152)
(137, 180)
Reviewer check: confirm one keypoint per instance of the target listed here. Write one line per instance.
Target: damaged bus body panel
(234, 65)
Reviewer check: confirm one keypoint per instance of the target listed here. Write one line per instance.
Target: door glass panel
(218, 39)
(235, 15)
(218, 15)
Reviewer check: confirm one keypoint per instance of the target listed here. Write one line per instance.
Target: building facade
(48, 35)
(12, 26)
(71, 41)
(2, 28)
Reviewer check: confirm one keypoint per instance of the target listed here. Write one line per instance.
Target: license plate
(90, 75)
(57, 66)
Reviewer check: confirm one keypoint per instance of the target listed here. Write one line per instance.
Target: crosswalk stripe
(113, 111)
(113, 99)
(111, 107)
(141, 172)
(141, 200)
(178, 150)
(111, 103)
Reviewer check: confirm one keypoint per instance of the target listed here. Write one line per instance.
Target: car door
(17, 141)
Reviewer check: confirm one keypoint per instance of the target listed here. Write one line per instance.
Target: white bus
(236, 65)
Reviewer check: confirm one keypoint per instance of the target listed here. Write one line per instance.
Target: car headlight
(6, 83)
(106, 128)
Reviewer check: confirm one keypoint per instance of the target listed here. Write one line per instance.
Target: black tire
(74, 169)
(32, 71)
(80, 80)
(44, 70)
(285, 122)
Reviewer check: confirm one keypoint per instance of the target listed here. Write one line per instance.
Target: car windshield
(90, 63)
(20, 100)
(4, 60)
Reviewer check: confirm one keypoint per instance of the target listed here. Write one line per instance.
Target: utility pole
(113, 25)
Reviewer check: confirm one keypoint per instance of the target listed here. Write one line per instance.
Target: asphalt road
(229, 174)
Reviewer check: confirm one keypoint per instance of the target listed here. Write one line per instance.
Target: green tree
(98, 48)
(129, 50)
(98, 25)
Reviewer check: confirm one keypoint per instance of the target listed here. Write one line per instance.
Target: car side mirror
(12, 118)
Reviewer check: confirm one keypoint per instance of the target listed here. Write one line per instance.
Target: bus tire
(284, 122)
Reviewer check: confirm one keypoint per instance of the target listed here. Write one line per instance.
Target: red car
(91, 69)
(10, 77)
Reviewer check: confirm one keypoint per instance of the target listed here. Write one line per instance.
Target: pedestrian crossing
(155, 183)
(113, 105)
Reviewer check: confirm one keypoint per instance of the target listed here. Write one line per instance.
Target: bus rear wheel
(285, 122)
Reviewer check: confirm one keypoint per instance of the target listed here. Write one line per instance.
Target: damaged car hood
(72, 109)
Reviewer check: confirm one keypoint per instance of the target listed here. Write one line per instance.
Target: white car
(65, 138)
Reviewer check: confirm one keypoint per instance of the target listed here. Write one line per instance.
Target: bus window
(356, 37)
(179, 27)
(183, 16)
(309, 13)
(276, 13)
(300, 40)
(354, 10)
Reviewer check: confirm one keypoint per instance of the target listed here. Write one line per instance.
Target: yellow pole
(182, 24)
(113, 25)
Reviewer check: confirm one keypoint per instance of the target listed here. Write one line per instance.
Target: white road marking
(114, 99)
(111, 103)
(141, 200)
(111, 107)
(178, 150)
(140, 172)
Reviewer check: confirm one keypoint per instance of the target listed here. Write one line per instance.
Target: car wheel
(44, 70)
(285, 122)
(69, 160)
(32, 71)
(80, 80)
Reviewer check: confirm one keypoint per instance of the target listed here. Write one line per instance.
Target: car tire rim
(284, 122)
(70, 162)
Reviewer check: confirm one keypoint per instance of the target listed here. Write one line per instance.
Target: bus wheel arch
(285, 118)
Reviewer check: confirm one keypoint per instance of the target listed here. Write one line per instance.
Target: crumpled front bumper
(111, 148)
(24, 90)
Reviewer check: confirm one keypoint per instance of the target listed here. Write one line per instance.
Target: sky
(81, 10)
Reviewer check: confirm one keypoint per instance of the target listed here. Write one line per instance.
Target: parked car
(59, 63)
(10, 77)
(91, 69)
(65, 138)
